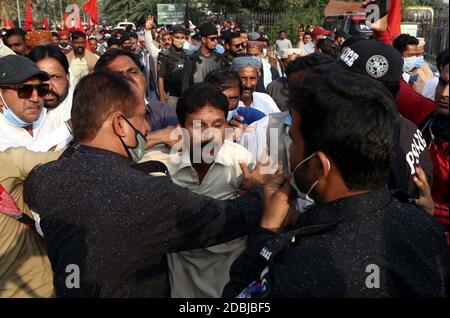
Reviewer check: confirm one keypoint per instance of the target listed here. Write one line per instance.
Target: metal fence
(436, 35)
(273, 22)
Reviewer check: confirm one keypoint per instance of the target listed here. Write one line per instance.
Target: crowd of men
(210, 162)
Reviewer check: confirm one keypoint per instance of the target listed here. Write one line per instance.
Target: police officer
(358, 239)
(171, 66)
(205, 60)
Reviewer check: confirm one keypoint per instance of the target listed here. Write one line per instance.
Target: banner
(171, 13)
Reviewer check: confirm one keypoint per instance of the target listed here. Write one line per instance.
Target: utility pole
(61, 11)
(18, 13)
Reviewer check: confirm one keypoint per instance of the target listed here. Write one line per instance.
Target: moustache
(52, 93)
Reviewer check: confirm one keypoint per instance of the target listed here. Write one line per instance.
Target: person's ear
(118, 125)
(325, 163)
(203, 40)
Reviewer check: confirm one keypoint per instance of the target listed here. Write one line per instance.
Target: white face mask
(300, 194)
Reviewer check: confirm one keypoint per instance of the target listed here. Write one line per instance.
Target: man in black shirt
(382, 62)
(113, 224)
(205, 60)
(171, 67)
(358, 240)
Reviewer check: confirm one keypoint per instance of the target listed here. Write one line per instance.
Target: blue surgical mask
(136, 153)
(420, 61)
(11, 117)
(409, 64)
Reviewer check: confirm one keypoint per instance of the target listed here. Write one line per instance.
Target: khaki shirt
(25, 269)
(205, 272)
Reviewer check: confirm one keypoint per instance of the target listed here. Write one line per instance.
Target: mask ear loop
(315, 183)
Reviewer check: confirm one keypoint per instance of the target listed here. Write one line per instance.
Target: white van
(124, 25)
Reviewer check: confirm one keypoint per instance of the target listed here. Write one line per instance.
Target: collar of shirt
(87, 151)
(347, 208)
(223, 157)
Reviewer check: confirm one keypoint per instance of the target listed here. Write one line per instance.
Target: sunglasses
(213, 38)
(238, 45)
(26, 90)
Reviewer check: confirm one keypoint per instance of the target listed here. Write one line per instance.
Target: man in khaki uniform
(25, 269)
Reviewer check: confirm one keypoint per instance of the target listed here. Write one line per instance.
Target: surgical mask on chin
(420, 61)
(302, 196)
(135, 153)
(178, 43)
(409, 64)
(11, 117)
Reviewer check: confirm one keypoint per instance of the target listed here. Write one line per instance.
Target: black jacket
(117, 223)
(336, 247)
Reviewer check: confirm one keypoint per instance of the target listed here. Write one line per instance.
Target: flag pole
(18, 13)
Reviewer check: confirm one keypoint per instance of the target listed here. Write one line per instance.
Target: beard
(56, 102)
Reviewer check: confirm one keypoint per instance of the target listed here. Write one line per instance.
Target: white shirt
(78, 69)
(281, 45)
(61, 113)
(204, 272)
(46, 135)
(429, 90)
(255, 140)
(4, 50)
(263, 102)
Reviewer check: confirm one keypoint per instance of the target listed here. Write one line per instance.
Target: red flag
(45, 23)
(91, 8)
(66, 21)
(29, 17)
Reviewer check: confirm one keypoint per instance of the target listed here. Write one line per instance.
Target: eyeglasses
(26, 90)
(238, 45)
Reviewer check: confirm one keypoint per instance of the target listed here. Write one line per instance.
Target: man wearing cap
(204, 60)
(384, 63)
(23, 118)
(268, 72)
(64, 43)
(317, 34)
(248, 68)
(171, 66)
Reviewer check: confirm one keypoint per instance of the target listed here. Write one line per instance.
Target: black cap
(375, 59)
(177, 29)
(208, 29)
(15, 69)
